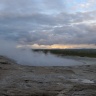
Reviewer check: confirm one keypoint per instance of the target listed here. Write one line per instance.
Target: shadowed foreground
(18, 80)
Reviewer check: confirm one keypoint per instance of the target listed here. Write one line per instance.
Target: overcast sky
(49, 23)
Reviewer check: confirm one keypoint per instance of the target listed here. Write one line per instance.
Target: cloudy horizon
(49, 23)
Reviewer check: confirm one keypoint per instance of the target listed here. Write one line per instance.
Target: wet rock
(17, 80)
(4, 62)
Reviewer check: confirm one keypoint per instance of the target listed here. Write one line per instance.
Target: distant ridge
(69, 52)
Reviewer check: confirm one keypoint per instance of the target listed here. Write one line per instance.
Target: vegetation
(69, 52)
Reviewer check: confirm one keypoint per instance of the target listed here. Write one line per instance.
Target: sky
(48, 23)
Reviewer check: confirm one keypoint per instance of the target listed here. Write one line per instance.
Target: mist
(25, 56)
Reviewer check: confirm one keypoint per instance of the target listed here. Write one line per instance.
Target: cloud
(55, 4)
(18, 7)
(83, 5)
(45, 29)
(21, 21)
(23, 7)
(56, 46)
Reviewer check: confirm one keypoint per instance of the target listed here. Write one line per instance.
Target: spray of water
(27, 57)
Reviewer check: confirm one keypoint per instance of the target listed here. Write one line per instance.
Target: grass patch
(69, 52)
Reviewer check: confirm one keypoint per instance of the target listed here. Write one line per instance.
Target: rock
(18, 80)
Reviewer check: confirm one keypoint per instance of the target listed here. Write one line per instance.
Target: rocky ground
(19, 80)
